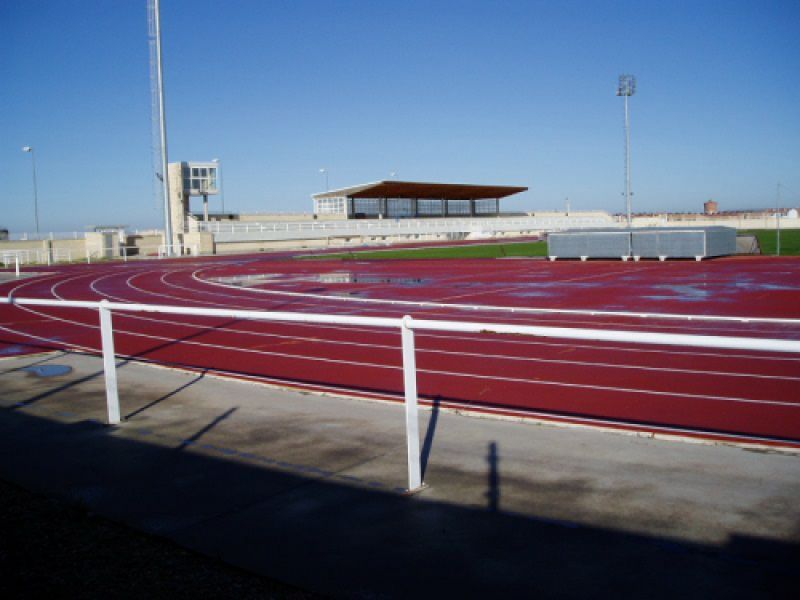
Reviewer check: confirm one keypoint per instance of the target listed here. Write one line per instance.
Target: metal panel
(669, 243)
(591, 244)
(720, 241)
(684, 242)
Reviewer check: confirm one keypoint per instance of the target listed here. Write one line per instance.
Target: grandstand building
(412, 200)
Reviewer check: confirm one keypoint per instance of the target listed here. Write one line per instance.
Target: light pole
(627, 88)
(158, 81)
(35, 192)
(325, 171)
(221, 189)
(778, 223)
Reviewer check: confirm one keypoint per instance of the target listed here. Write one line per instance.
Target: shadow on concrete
(353, 540)
(43, 360)
(390, 388)
(158, 401)
(427, 443)
(124, 360)
(195, 437)
(61, 388)
(493, 492)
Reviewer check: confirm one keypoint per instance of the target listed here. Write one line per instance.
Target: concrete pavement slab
(308, 489)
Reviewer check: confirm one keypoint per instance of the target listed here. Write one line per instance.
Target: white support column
(412, 412)
(16, 264)
(109, 363)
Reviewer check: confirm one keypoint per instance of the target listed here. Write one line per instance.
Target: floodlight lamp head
(27, 149)
(627, 85)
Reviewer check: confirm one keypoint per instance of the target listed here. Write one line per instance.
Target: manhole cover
(48, 370)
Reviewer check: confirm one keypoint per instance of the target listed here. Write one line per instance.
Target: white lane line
(527, 285)
(444, 352)
(466, 338)
(510, 319)
(612, 388)
(399, 368)
(501, 357)
(517, 312)
(453, 404)
(430, 371)
(455, 374)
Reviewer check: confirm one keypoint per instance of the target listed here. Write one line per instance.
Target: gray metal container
(650, 242)
(589, 243)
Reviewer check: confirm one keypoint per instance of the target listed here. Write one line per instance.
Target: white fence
(40, 256)
(50, 235)
(407, 327)
(48, 256)
(230, 231)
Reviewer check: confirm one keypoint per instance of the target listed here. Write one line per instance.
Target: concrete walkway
(308, 490)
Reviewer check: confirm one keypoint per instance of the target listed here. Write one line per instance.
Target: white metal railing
(427, 225)
(45, 256)
(8, 258)
(50, 235)
(407, 326)
(48, 256)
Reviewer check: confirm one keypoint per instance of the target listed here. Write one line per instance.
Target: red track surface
(712, 393)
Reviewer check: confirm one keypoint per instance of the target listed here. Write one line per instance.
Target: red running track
(698, 392)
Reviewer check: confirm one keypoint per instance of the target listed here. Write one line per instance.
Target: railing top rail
(399, 223)
(606, 335)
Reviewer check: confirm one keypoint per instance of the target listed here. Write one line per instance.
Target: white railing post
(412, 412)
(16, 264)
(109, 363)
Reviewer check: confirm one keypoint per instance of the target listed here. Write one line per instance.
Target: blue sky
(518, 93)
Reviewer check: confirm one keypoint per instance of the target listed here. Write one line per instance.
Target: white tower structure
(626, 89)
(160, 156)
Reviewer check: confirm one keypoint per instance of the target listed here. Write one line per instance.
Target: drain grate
(48, 370)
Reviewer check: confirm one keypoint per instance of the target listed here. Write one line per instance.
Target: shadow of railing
(167, 396)
(192, 439)
(430, 432)
(493, 487)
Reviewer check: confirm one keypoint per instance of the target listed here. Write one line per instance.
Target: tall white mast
(627, 88)
(157, 90)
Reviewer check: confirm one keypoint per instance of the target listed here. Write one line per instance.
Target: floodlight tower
(29, 149)
(627, 88)
(157, 90)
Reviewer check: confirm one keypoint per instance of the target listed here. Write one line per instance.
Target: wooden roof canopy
(434, 191)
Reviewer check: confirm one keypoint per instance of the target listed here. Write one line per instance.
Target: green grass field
(466, 251)
(790, 241)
